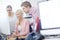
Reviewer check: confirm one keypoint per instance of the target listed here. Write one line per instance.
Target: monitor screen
(50, 14)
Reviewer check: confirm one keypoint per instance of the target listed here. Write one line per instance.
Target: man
(28, 9)
(12, 18)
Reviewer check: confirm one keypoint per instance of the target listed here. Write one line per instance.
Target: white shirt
(19, 28)
(12, 21)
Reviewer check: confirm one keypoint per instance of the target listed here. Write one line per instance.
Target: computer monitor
(50, 14)
(50, 17)
(4, 22)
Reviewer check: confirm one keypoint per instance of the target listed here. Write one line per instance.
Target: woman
(22, 25)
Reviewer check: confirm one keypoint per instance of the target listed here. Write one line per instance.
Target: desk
(11, 38)
(22, 37)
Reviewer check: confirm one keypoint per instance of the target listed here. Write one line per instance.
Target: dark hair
(9, 6)
(26, 4)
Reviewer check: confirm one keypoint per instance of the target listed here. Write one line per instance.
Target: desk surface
(11, 38)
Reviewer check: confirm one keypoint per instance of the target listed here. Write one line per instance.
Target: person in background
(22, 25)
(11, 17)
(28, 9)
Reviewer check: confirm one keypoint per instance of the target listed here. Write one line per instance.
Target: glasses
(9, 10)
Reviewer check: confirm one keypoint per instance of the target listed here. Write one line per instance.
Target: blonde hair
(19, 11)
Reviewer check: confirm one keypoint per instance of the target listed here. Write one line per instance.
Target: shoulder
(34, 9)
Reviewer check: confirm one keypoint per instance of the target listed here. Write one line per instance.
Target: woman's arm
(26, 30)
(16, 26)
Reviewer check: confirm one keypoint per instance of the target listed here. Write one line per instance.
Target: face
(9, 10)
(26, 9)
(19, 15)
